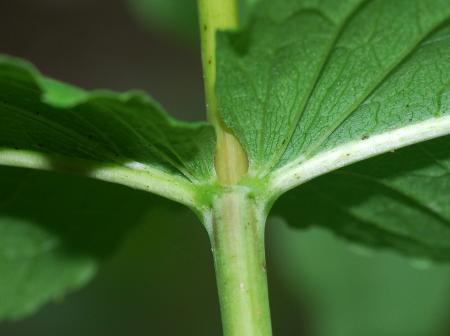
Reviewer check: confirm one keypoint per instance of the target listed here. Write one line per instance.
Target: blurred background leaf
(176, 17)
(354, 291)
(55, 230)
(160, 282)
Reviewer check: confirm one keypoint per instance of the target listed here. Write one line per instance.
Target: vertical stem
(236, 226)
(238, 246)
(230, 161)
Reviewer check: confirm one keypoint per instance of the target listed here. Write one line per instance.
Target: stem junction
(236, 220)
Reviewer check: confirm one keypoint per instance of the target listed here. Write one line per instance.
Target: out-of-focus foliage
(178, 17)
(138, 289)
(51, 242)
(354, 291)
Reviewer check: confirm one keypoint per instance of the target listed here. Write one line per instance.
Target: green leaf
(312, 86)
(124, 138)
(308, 76)
(55, 229)
(399, 199)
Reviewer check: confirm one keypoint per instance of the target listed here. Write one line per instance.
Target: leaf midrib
(178, 187)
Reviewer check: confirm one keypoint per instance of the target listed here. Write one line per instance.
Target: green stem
(214, 15)
(231, 160)
(236, 223)
(237, 238)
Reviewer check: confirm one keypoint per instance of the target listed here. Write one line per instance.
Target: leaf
(54, 231)
(354, 291)
(383, 201)
(312, 86)
(124, 138)
(307, 76)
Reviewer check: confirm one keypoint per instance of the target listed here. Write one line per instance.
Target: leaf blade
(129, 132)
(283, 70)
(310, 87)
(382, 202)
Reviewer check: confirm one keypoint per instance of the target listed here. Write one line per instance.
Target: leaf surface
(313, 86)
(398, 199)
(307, 76)
(117, 137)
(55, 229)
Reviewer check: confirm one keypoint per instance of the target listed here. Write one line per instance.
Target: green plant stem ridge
(236, 220)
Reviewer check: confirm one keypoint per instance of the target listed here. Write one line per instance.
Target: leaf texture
(306, 76)
(311, 86)
(397, 200)
(126, 130)
(55, 229)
